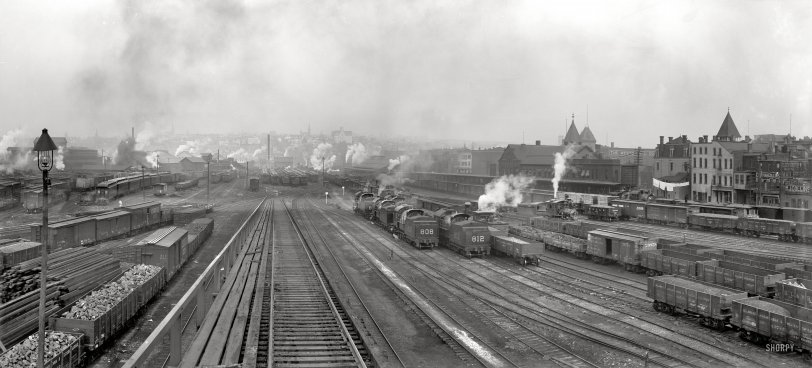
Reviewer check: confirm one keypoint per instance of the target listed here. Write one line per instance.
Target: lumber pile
(72, 273)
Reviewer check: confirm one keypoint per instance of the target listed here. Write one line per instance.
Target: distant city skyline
(487, 71)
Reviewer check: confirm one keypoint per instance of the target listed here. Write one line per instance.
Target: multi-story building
(486, 161)
(342, 136)
(464, 162)
(672, 165)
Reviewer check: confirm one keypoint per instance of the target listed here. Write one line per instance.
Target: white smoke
(257, 152)
(19, 162)
(560, 166)
(504, 191)
(59, 159)
(193, 147)
(324, 150)
(144, 137)
(152, 158)
(397, 180)
(397, 161)
(356, 154)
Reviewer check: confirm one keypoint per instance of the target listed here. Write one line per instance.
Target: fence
(192, 307)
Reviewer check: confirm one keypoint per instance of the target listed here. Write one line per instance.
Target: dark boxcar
(602, 212)
(630, 209)
(757, 281)
(580, 229)
(710, 302)
(803, 230)
(112, 225)
(795, 291)
(144, 215)
(523, 252)
(668, 262)
(422, 232)
(763, 320)
(712, 221)
(14, 253)
(611, 246)
(666, 214)
(72, 233)
(469, 238)
(759, 226)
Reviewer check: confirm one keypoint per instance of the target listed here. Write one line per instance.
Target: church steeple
(728, 131)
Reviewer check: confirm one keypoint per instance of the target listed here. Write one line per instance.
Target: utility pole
(322, 174)
(143, 188)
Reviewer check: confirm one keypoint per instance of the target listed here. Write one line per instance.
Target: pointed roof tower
(728, 131)
(587, 136)
(572, 134)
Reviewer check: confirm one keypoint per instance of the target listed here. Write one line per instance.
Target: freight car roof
(616, 235)
(696, 285)
(714, 215)
(511, 239)
(141, 205)
(108, 215)
(70, 222)
(164, 237)
(18, 246)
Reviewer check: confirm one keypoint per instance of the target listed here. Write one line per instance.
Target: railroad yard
(306, 281)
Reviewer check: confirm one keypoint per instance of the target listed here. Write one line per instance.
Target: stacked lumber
(72, 273)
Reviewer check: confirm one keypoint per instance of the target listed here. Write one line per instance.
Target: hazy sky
(485, 70)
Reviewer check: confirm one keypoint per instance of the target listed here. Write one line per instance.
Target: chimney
(538, 142)
(684, 137)
(670, 139)
(613, 145)
(705, 138)
(661, 139)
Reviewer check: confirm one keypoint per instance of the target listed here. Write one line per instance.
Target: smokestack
(670, 139)
(613, 145)
(661, 139)
(538, 142)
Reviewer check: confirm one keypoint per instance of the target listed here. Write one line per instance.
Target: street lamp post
(325, 197)
(342, 191)
(45, 148)
(208, 176)
(322, 171)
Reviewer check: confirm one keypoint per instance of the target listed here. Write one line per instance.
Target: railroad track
(310, 327)
(665, 359)
(761, 246)
(516, 335)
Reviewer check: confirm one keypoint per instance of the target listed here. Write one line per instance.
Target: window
(706, 163)
(694, 150)
(713, 162)
(658, 166)
(672, 167)
(671, 152)
(694, 178)
(706, 178)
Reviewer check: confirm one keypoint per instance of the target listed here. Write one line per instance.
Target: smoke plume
(400, 161)
(323, 150)
(560, 166)
(152, 159)
(127, 155)
(59, 159)
(8, 162)
(193, 147)
(356, 154)
(504, 191)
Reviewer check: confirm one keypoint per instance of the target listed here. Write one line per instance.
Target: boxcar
(164, 248)
(763, 320)
(667, 214)
(668, 262)
(602, 212)
(768, 263)
(712, 221)
(630, 209)
(759, 226)
(469, 238)
(795, 291)
(606, 246)
(14, 253)
(799, 271)
(71, 233)
(756, 281)
(160, 189)
(547, 224)
(523, 252)
(144, 215)
(112, 225)
(676, 294)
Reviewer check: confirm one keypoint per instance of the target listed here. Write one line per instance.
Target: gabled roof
(587, 136)
(728, 128)
(572, 134)
(193, 159)
(534, 154)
